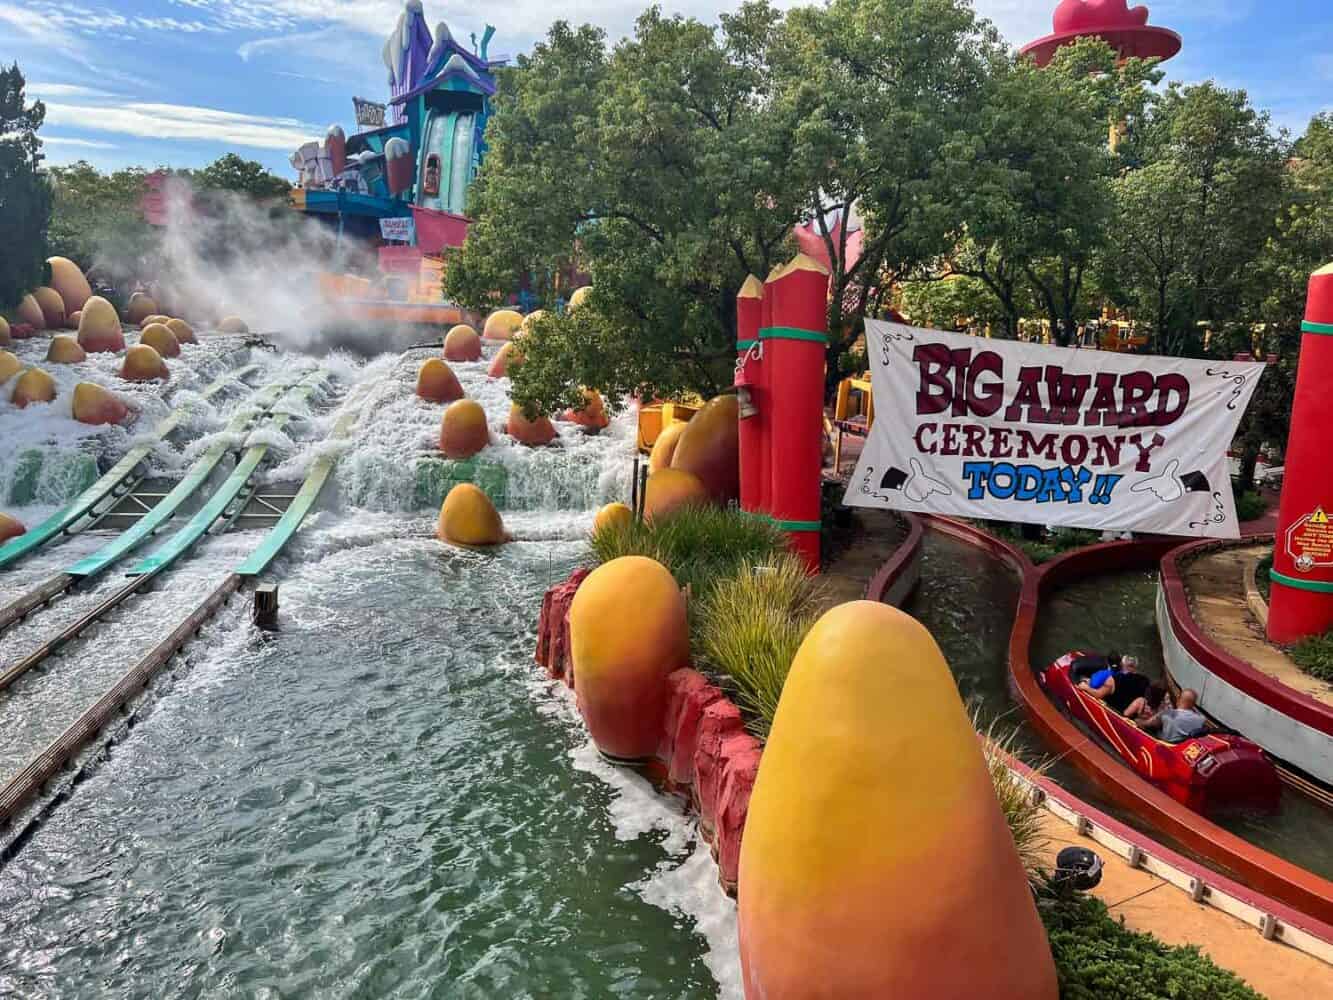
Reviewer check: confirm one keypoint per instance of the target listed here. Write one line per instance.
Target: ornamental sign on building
(368, 113)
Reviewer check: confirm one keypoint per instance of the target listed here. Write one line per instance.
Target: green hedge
(1315, 656)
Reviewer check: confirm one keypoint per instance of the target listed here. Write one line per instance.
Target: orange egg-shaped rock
(182, 331)
(5, 337)
(462, 344)
(627, 632)
(592, 414)
(579, 297)
(33, 386)
(502, 324)
(437, 383)
(869, 697)
(232, 324)
(9, 366)
(148, 321)
(28, 311)
(468, 517)
(139, 308)
(670, 490)
(143, 364)
(52, 306)
(507, 354)
(10, 527)
(463, 430)
(664, 448)
(68, 280)
(99, 327)
(613, 517)
(74, 319)
(530, 320)
(710, 448)
(95, 404)
(533, 433)
(159, 337)
(65, 350)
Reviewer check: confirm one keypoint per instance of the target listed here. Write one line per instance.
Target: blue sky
(180, 82)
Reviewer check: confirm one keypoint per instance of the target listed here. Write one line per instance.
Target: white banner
(1007, 431)
(398, 229)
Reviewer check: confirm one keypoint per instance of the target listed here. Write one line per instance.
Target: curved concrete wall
(1288, 724)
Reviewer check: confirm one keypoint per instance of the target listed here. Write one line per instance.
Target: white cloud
(64, 140)
(181, 121)
(46, 91)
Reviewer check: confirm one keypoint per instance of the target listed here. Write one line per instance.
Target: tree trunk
(1249, 458)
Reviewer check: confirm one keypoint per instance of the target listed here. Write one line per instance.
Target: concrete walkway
(1216, 586)
(1147, 903)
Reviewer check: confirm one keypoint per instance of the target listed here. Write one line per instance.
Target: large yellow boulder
(159, 337)
(462, 344)
(592, 414)
(9, 366)
(670, 490)
(710, 448)
(437, 383)
(10, 527)
(74, 318)
(533, 433)
(68, 280)
(94, 404)
(502, 324)
(507, 353)
(627, 632)
(65, 350)
(5, 337)
(463, 430)
(148, 321)
(183, 332)
(232, 324)
(52, 306)
(530, 320)
(664, 448)
(613, 517)
(579, 297)
(99, 327)
(876, 861)
(30, 312)
(142, 364)
(140, 306)
(33, 386)
(468, 517)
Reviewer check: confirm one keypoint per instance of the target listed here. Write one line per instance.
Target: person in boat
(1175, 725)
(1088, 665)
(1130, 695)
(1103, 684)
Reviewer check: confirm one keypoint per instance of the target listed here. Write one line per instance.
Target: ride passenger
(1175, 725)
(1131, 690)
(1089, 664)
(1101, 685)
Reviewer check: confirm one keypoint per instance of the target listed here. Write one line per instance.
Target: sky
(181, 82)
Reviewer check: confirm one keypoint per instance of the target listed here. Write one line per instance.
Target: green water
(381, 799)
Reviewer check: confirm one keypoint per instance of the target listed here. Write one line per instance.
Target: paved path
(1216, 586)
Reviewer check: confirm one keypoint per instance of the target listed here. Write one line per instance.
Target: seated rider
(1101, 685)
(1129, 696)
(1175, 725)
(1088, 664)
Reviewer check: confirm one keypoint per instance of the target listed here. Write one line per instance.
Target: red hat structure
(1124, 28)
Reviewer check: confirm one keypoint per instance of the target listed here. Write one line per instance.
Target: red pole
(749, 374)
(1302, 574)
(794, 342)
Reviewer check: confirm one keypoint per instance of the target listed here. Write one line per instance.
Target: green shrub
(1098, 958)
(1250, 506)
(698, 545)
(1021, 811)
(1053, 541)
(749, 627)
(1261, 578)
(1315, 656)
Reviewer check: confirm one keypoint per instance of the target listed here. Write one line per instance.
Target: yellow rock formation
(468, 517)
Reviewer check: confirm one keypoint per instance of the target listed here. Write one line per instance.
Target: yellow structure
(99, 327)
(613, 515)
(143, 364)
(159, 337)
(654, 417)
(670, 490)
(853, 413)
(65, 350)
(33, 386)
(463, 430)
(468, 517)
(502, 324)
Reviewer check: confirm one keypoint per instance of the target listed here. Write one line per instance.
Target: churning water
(384, 797)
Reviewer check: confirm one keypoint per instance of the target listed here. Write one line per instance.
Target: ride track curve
(1288, 894)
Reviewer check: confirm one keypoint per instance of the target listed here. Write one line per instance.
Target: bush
(1021, 811)
(750, 626)
(1315, 656)
(1250, 506)
(1261, 578)
(1053, 541)
(1099, 958)
(700, 545)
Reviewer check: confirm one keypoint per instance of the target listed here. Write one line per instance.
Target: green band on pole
(745, 345)
(792, 333)
(798, 525)
(1310, 326)
(1317, 586)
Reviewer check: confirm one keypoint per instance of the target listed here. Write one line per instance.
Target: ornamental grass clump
(698, 545)
(1021, 811)
(749, 626)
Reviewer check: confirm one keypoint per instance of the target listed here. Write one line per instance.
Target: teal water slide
(447, 147)
(84, 504)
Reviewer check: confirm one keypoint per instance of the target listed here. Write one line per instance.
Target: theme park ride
(401, 185)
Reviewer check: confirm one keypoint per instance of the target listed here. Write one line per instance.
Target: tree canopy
(25, 193)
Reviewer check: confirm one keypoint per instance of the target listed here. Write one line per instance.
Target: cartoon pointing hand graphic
(1166, 487)
(920, 485)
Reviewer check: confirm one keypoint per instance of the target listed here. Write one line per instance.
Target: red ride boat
(1207, 773)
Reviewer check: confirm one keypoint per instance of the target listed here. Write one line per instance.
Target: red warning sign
(1310, 541)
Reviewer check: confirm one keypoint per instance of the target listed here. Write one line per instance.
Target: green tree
(232, 173)
(25, 194)
(97, 217)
